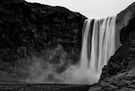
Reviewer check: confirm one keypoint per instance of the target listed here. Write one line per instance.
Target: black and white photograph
(67, 45)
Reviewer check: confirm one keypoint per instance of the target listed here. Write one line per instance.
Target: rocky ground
(44, 87)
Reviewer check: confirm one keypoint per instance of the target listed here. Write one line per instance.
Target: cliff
(32, 30)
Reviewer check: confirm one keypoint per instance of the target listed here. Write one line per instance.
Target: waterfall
(98, 45)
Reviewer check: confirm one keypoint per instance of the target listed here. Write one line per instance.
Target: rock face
(28, 29)
(122, 21)
(119, 74)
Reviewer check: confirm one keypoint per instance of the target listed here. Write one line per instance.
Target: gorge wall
(32, 31)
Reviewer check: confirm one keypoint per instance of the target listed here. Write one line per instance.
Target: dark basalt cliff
(32, 29)
(119, 74)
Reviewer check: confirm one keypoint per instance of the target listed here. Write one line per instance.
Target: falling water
(98, 45)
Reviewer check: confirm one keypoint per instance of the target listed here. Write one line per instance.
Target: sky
(90, 8)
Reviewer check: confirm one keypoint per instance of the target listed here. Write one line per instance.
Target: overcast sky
(90, 8)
